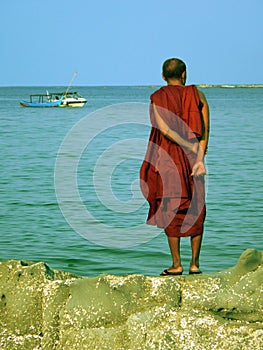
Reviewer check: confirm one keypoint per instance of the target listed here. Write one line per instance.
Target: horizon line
(202, 85)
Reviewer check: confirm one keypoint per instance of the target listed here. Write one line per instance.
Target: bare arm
(199, 168)
(171, 134)
(206, 121)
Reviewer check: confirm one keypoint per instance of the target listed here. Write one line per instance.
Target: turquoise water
(32, 224)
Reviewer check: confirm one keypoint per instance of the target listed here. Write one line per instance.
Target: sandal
(171, 273)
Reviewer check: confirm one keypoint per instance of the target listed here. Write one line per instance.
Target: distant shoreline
(220, 86)
(232, 86)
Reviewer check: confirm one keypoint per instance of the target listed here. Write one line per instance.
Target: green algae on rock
(42, 308)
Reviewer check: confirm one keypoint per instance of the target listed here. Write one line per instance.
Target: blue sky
(118, 42)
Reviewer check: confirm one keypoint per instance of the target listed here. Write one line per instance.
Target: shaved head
(173, 68)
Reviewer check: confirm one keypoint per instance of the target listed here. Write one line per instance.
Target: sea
(69, 184)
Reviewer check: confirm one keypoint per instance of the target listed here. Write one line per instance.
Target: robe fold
(176, 199)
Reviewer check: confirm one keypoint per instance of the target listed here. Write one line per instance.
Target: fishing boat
(41, 100)
(69, 99)
(56, 99)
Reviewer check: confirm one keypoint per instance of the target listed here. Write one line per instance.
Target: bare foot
(175, 269)
(194, 269)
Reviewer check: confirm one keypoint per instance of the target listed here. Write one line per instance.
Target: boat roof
(63, 93)
(39, 94)
(56, 93)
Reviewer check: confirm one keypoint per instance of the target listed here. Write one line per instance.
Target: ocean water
(94, 153)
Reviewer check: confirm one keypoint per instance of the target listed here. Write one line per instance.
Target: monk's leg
(174, 244)
(196, 242)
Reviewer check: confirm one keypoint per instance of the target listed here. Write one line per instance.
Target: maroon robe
(176, 199)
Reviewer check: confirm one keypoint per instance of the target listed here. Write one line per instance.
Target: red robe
(176, 199)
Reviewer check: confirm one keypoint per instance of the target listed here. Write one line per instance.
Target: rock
(41, 308)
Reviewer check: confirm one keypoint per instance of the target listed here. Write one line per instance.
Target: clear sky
(119, 42)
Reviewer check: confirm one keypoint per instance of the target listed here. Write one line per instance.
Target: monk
(172, 173)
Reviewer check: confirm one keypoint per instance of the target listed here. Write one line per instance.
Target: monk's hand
(198, 169)
(195, 147)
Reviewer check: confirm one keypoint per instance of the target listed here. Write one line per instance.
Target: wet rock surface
(42, 308)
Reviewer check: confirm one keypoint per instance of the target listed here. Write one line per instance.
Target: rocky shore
(42, 308)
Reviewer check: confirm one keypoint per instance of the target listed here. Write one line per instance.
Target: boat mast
(71, 81)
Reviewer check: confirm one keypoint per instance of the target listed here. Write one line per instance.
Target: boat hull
(52, 104)
(74, 104)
